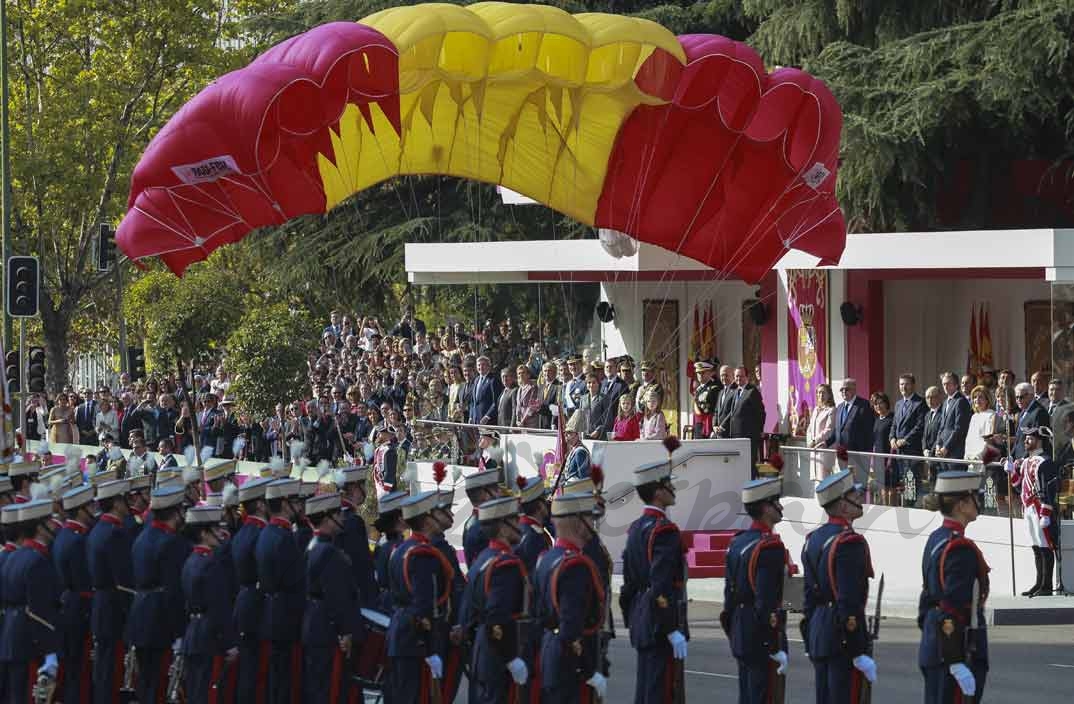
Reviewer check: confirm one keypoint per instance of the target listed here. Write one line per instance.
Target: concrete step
(706, 572)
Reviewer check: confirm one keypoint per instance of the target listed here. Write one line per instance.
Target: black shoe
(1049, 568)
(1038, 560)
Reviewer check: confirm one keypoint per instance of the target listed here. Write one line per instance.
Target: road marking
(711, 674)
(1067, 667)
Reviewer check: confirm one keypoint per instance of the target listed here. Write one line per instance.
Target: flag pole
(1010, 498)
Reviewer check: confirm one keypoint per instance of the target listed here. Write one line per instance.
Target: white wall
(927, 323)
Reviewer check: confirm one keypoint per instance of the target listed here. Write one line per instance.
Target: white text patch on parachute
(816, 175)
(206, 170)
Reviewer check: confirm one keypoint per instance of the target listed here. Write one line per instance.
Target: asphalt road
(1034, 665)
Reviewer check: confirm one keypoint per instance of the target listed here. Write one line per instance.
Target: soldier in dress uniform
(391, 527)
(138, 504)
(443, 515)
(29, 637)
(108, 556)
(69, 556)
(837, 573)
(303, 528)
(706, 399)
(753, 617)
(208, 648)
(282, 576)
(576, 463)
(953, 655)
(495, 608)
(653, 597)
(570, 601)
(22, 475)
(1036, 478)
(246, 614)
(332, 607)
(420, 581)
(535, 514)
(490, 452)
(156, 622)
(219, 473)
(480, 487)
(574, 390)
(354, 539)
(648, 385)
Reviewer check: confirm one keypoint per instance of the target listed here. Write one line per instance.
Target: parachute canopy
(684, 142)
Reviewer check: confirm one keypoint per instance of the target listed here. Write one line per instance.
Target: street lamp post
(5, 158)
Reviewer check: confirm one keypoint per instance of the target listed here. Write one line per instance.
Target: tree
(182, 319)
(91, 82)
(267, 357)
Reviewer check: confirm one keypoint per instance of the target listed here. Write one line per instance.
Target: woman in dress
(455, 395)
(528, 401)
(883, 467)
(820, 424)
(654, 426)
(627, 421)
(983, 424)
(107, 422)
(61, 421)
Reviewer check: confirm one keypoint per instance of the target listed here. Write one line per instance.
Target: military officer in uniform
(648, 385)
(753, 617)
(138, 504)
(535, 514)
(953, 656)
(653, 597)
(495, 606)
(444, 518)
(22, 475)
(420, 581)
(219, 473)
(69, 556)
(332, 603)
(108, 556)
(156, 622)
(29, 636)
(570, 601)
(574, 390)
(1036, 478)
(208, 647)
(837, 573)
(391, 527)
(576, 463)
(353, 539)
(706, 400)
(281, 574)
(480, 487)
(246, 614)
(489, 452)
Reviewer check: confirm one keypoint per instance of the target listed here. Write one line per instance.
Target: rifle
(678, 667)
(435, 693)
(873, 628)
(971, 635)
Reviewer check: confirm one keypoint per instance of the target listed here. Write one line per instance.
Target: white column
(837, 338)
(783, 377)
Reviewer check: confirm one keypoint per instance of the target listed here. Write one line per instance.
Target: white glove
(964, 677)
(599, 683)
(51, 666)
(177, 645)
(1045, 521)
(866, 666)
(678, 644)
(519, 672)
(436, 666)
(1008, 466)
(781, 658)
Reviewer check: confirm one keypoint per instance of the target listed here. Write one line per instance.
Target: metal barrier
(894, 479)
(454, 442)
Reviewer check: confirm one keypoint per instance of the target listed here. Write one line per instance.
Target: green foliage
(267, 355)
(182, 319)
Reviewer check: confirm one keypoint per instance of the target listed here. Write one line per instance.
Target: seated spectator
(627, 421)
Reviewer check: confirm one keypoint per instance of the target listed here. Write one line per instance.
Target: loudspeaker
(850, 313)
(758, 313)
(605, 312)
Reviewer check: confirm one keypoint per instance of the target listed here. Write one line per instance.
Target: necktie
(843, 414)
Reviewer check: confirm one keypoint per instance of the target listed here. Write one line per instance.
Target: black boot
(1038, 559)
(1049, 567)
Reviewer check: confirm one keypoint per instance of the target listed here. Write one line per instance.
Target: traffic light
(22, 286)
(11, 371)
(35, 374)
(106, 247)
(136, 363)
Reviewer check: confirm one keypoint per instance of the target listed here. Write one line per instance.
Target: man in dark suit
(597, 408)
(505, 404)
(1033, 415)
(85, 418)
(487, 389)
(725, 402)
(747, 414)
(954, 420)
(1058, 409)
(934, 399)
(908, 429)
(612, 388)
(853, 428)
(131, 420)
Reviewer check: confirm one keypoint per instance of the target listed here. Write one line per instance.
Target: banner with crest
(807, 342)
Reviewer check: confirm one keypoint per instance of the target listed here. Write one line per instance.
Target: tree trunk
(56, 325)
